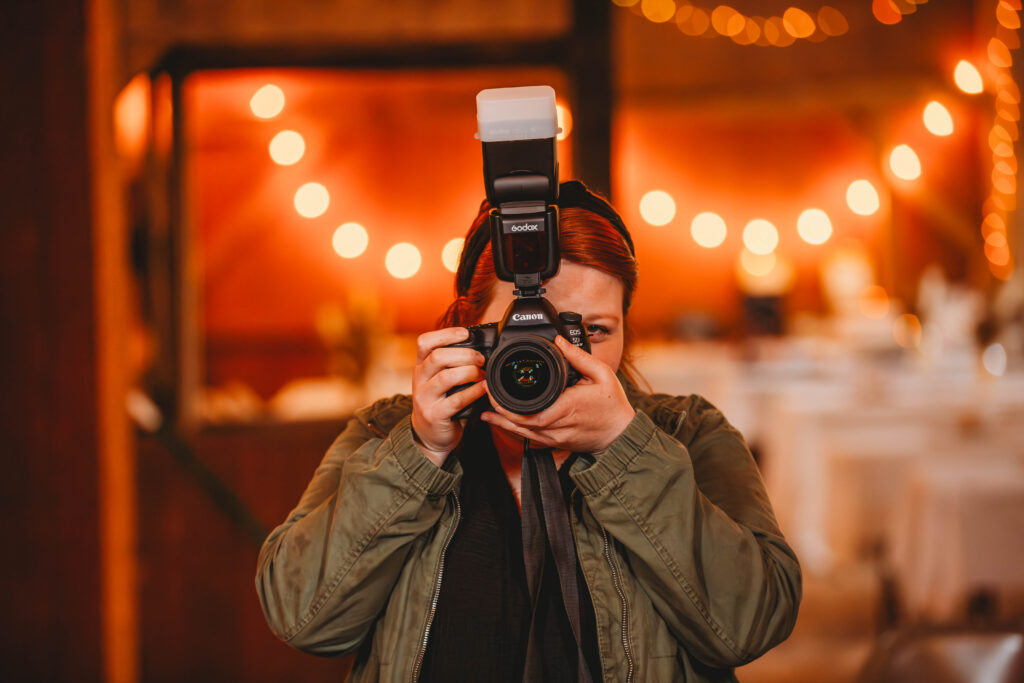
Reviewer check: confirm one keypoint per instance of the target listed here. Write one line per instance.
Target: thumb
(580, 359)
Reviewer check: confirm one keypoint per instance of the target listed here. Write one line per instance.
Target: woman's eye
(597, 332)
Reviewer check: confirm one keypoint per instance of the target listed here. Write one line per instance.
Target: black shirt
(482, 623)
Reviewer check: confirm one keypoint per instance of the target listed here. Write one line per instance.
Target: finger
(444, 357)
(428, 341)
(460, 399)
(511, 427)
(542, 420)
(452, 377)
(585, 363)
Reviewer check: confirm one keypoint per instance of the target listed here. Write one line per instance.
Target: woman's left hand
(586, 418)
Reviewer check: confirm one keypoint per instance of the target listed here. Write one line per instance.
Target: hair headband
(571, 194)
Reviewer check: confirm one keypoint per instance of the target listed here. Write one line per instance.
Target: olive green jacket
(686, 566)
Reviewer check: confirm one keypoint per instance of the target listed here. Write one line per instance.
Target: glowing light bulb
(757, 265)
(311, 200)
(967, 78)
(287, 147)
(937, 119)
(862, 198)
(994, 359)
(814, 226)
(904, 163)
(451, 253)
(658, 11)
(267, 102)
(403, 260)
(564, 117)
(657, 207)
(708, 229)
(350, 240)
(760, 237)
(797, 22)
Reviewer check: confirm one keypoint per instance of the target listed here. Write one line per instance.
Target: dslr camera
(525, 371)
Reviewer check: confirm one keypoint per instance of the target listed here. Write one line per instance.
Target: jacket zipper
(622, 601)
(437, 590)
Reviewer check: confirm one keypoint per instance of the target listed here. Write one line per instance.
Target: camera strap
(545, 517)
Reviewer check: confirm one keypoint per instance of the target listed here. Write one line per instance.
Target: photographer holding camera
(528, 514)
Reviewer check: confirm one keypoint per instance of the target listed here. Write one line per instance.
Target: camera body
(525, 371)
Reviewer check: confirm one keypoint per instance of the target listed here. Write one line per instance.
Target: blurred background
(226, 222)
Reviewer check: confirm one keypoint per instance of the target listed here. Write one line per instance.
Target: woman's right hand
(439, 369)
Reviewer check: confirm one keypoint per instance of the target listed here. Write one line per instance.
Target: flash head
(517, 128)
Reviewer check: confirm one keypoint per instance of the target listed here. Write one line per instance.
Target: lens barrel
(527, 375)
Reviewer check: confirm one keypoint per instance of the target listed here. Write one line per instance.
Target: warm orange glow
(1001, 272)
(797, 22)
(1007, 16)
(997, 240)
(937, 119)
(727, 21)
(906, 330)
(832, 22)
(708, 229)
(760, 237)
(693, 21)
(874, 302)
(999, 54)
(999, 135)
(131, 119)
(886, 11)
(814, 226)
(657, 207)
(564, 121)
(750, 34)
(862, 198)
(904, 163)
(776, 33)
(1008, 110)
(967, 78)
(350, 240)
(403, 260)
(311, 200)
(993, 223)
(267, 102)
(625, 3)
(1008, 91)
(451, 253)
(658, 10)
(287, 147)
(999, 256)
(757, 265)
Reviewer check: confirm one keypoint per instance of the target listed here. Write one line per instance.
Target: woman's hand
(438, 369)
(586, 418)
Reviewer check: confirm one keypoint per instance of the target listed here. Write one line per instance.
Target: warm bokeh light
(999, 54)
(267, 102)
(708, 229)
(131, 118)
(862, 198)
(658, 10)
(886, 11)
(749, 34)
(760, 236)
(1006, 15)
(832, 22)
(874, 302)
(906, 330)
(727, 21)
(451, 253)
(757, 265)
(657, 207)
(996, 239)
(692, 20)
(797, 22)
(564, 121)
(992, 223)
(997, 255)
(403, 260)
(311, 200)
(967, 78)
(904, 163)
(287, 147)
(937, 119)
(350, 240)
(814, 226)
(776, 34)
(993, 358)
(625, 3)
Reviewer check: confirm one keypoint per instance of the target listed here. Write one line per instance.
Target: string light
(760, 237)
(312, 200)
(657, 207)
(267, 102)
(350, 240)
(708, 229)
(937, 119)
(287, 147)
(451, 252)
(814, 226)
(403, 260)
(968, 78)
(904, 163)
(862, 198)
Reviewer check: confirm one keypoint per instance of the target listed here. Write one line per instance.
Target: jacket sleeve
(699, 533)
(325, 574)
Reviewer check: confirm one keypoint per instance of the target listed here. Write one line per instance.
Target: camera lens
(525, 375)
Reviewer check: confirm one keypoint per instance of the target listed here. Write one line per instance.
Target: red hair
(584, 238)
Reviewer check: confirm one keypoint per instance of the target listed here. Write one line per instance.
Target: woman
(660, 561)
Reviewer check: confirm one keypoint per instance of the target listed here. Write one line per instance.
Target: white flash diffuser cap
(526, 113)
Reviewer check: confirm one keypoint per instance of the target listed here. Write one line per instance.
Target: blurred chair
(946, 656)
